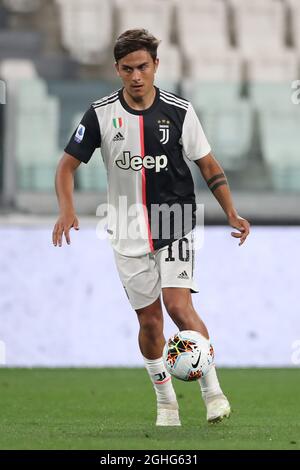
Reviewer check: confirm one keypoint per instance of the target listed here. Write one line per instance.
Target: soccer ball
(188, 355)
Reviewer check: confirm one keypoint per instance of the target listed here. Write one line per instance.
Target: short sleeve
(194, 141)
(86, 138)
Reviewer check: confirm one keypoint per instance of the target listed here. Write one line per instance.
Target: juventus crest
(164, 128)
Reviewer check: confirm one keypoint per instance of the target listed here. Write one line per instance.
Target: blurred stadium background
(237, 61)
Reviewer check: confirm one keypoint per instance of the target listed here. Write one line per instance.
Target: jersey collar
(139, 112)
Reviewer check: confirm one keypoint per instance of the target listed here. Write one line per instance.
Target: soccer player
(144, 133)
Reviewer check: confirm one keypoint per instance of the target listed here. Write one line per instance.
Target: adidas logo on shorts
(183, 275)
(118, 137)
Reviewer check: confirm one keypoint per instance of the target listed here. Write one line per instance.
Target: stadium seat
(217, 65)
(12, 69)
(270, 78)
(86, 29)
(205, 93)
(270, 95)
(22, 6)
(36, 136)
(259, 25)
(276, 67)
(169, 70)
(20, 44)
(229, 129)
(75, 96)
(154, 15)
(202, 24)
(52, 67)
(93, 176)
(280, 139)
(214, 78)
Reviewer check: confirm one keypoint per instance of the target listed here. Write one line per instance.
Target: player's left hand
(240, 224)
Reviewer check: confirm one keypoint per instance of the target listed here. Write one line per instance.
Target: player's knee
(151, 323)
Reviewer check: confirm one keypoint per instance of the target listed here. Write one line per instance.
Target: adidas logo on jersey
(137, 162)
(183, 275)
(118, 137)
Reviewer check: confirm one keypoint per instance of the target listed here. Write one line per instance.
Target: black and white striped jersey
(143, 152)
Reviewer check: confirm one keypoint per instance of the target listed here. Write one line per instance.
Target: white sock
(161, 380)
(210, 384)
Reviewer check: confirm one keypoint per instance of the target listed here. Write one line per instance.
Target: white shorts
(143, 277)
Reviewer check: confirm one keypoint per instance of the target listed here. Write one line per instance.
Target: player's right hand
(62, 227)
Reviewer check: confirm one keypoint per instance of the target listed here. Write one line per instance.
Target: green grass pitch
(115, 409)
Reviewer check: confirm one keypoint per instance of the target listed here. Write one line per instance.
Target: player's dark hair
(134, 40)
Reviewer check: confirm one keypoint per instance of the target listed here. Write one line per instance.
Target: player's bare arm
(64, 185)
(216, 180)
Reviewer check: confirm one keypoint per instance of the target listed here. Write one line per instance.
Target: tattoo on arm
(220, 183)
(215, 181)
(214, 178)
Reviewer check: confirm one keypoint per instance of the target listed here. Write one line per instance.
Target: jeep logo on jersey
(137, 162)
(164, 127)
